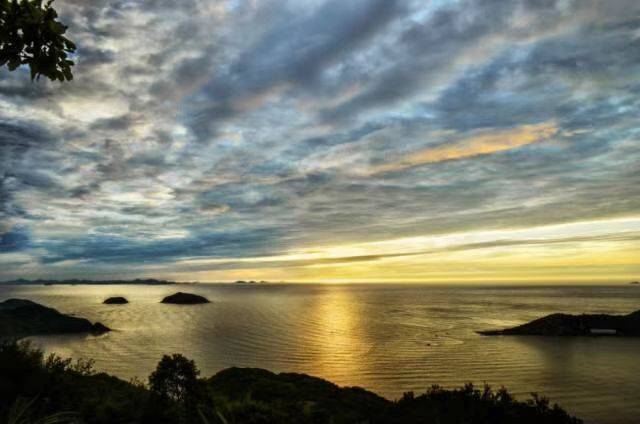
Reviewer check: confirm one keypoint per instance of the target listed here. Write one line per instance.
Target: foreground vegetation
(39, 389)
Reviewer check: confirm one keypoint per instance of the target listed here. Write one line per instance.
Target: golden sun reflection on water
(340, 338)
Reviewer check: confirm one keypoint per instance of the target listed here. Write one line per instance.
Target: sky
(329, 141)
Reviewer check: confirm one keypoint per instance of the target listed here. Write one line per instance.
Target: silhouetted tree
(175, 382)
(175, 378)
(30, 34)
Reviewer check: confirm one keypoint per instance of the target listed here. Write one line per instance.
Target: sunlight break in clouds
(602, 247)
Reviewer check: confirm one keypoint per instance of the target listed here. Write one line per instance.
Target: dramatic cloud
(329, 140)
(484, 143)
(13, 239)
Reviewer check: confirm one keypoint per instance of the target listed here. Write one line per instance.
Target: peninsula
(22, 318)
(575, 325)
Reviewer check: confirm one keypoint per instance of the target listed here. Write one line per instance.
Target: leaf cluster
(31, 35)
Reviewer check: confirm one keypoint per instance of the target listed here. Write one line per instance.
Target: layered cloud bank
(362, 140)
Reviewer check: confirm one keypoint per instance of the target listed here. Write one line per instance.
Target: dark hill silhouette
(176, 394)
(576, 325)
(22, 318)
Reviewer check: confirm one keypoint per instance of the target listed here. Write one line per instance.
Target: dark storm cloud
(426, 49)
(17, 86)
(19, 136)
(114, 249)
(121, 122)
(89, 57)
(295, 52)
(14, 239)
(18, 139)
(543, 79)
(353, 135)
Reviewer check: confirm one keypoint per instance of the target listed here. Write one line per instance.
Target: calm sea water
(389, 339)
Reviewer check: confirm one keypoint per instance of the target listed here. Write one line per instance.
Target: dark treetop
(30, 34)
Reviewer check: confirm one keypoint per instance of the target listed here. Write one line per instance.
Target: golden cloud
(482, 143)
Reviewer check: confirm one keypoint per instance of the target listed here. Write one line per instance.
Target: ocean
(386, 338)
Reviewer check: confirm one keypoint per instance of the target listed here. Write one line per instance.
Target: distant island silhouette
(74, 281)
(181, 298)
(116, 300)
(575, 325)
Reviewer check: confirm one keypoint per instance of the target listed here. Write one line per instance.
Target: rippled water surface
(388, 339)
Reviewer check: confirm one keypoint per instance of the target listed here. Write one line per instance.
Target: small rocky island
(22, 318)
(181, 298)
(575, 325)
(116, 300)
